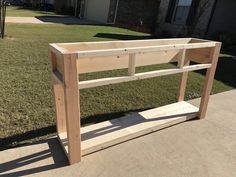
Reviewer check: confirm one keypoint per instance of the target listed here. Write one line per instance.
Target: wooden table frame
(71, 59)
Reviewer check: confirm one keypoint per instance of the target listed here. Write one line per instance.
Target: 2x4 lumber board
(72, 108)
(105, 134)
(145, 49)
(209, 81)
(138, 76)
(56, 48)
(56, 61)
(183, 83)
(104, 63)
(59, 99)
(143, 41)
(183, 77)
(131, 69)
(58, 91)
(73, 47)
(182, 57)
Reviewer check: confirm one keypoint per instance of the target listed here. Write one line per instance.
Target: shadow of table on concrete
(28, 161)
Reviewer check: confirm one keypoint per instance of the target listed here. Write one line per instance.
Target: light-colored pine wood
(138, 76)
(72, 108)
(182, 85)
(56, 60)
(70, 60)
(209, 81)
(131, 68)
(145, 49)
(105, 63)
(56, 48)
(80, 46)
(181, 58)
(184, 76)
(108, 133)
(60, 106)
(58, 97)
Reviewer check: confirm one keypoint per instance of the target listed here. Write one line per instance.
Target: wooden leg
(131, 68)
(60, 107)
(59, 98)
(182, 86)
(209, 81)
(72, 108)
(184, 76)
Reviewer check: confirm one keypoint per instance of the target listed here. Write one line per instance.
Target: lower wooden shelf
(102, 135)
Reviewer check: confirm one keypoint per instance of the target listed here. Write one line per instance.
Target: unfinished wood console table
(71, 59)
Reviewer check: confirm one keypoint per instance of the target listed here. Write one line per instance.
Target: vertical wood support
(131, 69)
(215, 52)
(182, 61)
(59, 100)
(60, 107)
(72, 107)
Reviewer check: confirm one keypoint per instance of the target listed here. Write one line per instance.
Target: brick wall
(177, 30)
(64, 6)
(138, 13)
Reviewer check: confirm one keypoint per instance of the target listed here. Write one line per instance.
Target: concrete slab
(50, 20)
(200, 148)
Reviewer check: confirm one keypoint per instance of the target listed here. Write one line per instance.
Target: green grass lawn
(17, 11)
(26, 99)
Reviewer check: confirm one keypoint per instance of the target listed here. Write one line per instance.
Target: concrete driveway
(199, 148)
(50, 20)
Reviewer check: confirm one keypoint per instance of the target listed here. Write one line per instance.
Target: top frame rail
(133, 50)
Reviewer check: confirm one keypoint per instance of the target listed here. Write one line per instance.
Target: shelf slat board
(105, 134)
(139, 76)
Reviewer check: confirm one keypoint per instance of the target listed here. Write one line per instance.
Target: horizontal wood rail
(123, 51)
(139, 76)
(69, 60)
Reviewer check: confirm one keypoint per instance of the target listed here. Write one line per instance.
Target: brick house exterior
(175, 18)
(204, 18)
(138, 14)
(134, 14)
(176, 28)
